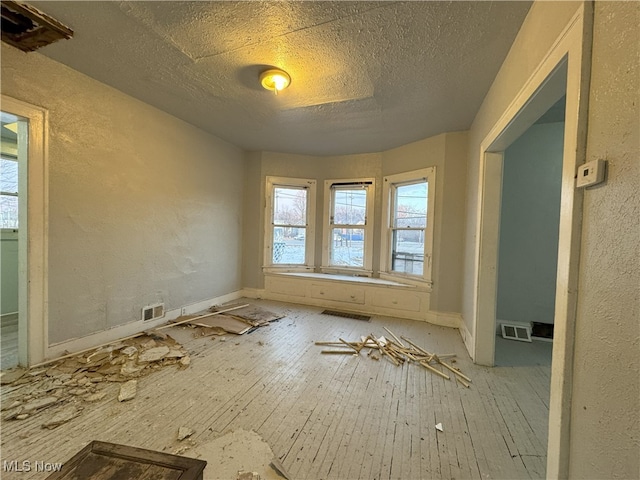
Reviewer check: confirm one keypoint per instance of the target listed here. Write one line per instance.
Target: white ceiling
(366, 76)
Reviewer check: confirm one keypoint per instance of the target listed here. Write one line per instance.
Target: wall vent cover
(28, 29)
(516, 332)
(153, 312)
(354, 316)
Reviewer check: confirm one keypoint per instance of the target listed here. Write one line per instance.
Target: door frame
(564, 68)
(32, 240)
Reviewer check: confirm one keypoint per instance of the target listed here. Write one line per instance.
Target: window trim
(327, 227)
(309, 184)
(389, 184)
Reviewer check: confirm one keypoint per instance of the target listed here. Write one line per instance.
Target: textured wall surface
(529, 220)
(544, 23)
(447, 152)
(143, 207)
(605, 437)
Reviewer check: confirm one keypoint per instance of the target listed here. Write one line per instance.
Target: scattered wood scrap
(397, 352)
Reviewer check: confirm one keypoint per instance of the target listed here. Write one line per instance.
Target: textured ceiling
(366, 76)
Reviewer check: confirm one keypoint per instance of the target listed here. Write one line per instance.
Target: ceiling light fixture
(275, 79)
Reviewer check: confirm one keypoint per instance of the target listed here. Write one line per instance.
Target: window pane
(349, 206)
(410, 209)
(8, 175)
(8, 211)
(289, 206)
(347, 248)
(289, 245)
(407, 255)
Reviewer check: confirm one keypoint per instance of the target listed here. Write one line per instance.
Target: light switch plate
(591, 173)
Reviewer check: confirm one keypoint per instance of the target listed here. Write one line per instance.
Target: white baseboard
(132, 328)
(467, 338)
(253, 293)
(444, 319)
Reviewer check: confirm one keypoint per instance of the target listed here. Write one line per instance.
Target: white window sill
(347, 279)
(407, 280)
(287, 269)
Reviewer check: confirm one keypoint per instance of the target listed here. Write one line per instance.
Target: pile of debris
(398, 353)
(77, 379)
(240, 319)
(74, 380)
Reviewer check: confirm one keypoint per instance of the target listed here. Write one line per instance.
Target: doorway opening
(23, 219)
(13, 158)
(528, 241)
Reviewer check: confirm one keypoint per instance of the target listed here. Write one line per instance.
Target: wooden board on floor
(256, 315)
(226, 322)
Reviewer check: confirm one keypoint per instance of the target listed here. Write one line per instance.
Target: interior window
(289, 239)
(348, 242)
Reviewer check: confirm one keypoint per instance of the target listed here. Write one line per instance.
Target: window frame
(390, 183)
(11, 158)
(369, 184)
(272, 183)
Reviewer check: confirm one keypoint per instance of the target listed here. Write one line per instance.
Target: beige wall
(143, 207)
(447, 152)
(543, 24)
(605, 423)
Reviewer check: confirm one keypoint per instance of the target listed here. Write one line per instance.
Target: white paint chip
(128, 390)
(439, 427)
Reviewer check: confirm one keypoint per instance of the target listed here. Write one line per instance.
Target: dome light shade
(275, 79)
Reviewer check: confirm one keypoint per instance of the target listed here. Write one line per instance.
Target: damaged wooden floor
(324, 416)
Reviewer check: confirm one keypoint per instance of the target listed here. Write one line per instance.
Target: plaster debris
(439, 427)
(238, 319)
(175, 354)
(184, 432)
(129, 370)
(12, 375)
(94, 397)
(128, 391)
(238, 451)
(153, 354)
(40, 403)
(180, 450)
(151, 343)
(63, 416)
(248, 476)
(128, 351)
(13, 414)
(12, 405)
(77, 381)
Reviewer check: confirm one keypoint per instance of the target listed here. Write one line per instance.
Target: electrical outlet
(183, 311)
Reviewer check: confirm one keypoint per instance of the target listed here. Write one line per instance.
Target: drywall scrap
(241, 319)
(239, 452)
(251, 314)
(79, 379)
(75, 381)
(397, 353)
